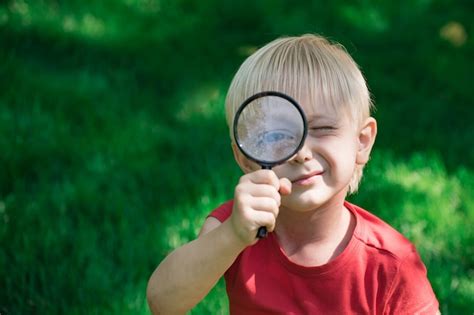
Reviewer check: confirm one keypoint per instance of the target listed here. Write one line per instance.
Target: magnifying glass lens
(270, 129)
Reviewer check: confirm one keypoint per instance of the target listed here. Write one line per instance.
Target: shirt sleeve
(222, 212)
(411, 292)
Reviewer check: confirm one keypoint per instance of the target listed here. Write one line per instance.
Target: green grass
(113, 145)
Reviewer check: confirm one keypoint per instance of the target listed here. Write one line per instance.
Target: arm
(186, 275)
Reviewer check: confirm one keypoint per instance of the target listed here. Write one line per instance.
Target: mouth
(307, 179)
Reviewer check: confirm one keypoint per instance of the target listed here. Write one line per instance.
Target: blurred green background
(113, 144)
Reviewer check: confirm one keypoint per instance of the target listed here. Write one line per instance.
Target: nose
(303, 155)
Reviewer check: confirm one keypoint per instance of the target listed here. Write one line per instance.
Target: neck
(315, 237)
(315, 226)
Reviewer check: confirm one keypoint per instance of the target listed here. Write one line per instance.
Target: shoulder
(408, 288)
(223, 211)
(375, 233)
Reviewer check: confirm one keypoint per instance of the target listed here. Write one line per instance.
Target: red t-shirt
(379, 272)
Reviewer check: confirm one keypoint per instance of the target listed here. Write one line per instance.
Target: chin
(314, 198)
(305, 201)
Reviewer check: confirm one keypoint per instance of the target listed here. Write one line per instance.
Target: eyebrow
(318, 118)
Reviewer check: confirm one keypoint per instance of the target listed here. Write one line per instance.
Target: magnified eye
(275, 136)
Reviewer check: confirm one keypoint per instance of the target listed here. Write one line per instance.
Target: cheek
(341, 155)
(253, 166)
(246, 165)
(281, 170)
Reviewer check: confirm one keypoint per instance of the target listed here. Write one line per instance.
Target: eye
(274, 136)
(320, 131)
(323, 128)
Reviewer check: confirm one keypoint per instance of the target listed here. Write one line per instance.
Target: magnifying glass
(269, 128)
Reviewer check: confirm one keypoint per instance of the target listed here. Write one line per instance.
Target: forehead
(317, 111)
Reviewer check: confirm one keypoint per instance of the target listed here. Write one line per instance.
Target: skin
(305, 212)
(309, 218)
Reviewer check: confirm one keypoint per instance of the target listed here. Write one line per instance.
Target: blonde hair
(307, 67)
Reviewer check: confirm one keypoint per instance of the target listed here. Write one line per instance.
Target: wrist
(233, 236)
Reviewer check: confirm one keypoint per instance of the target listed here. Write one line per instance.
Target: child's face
(328, 157)
(322, 170)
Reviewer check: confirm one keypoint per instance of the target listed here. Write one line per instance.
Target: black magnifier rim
(264, 163)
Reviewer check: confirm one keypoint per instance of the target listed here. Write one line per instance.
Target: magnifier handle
(262, 232)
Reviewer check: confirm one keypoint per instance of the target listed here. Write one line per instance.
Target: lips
(307, 178)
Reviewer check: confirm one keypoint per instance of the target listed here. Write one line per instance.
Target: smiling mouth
(307, 179)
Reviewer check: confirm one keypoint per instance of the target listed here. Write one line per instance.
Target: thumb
(285, 186)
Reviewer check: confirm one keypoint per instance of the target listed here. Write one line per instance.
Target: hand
(256, 203)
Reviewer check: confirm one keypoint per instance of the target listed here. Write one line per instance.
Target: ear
(366, 140)
(244, 163)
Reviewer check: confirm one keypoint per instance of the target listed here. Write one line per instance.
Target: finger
(263, 218)
(266, 205)
(285, 186)
(262, 177)
(263, 190)
(251, 190)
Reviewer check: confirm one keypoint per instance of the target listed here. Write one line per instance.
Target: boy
(325, 255)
